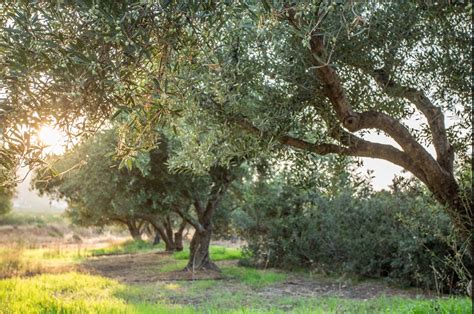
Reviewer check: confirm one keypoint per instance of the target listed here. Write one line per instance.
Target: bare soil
(144, 268)
(141, 268)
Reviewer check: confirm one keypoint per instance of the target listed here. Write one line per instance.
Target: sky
(27, 200)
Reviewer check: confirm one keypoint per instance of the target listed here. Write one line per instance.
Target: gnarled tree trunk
(164, 230)
(178, 236)
(134, 230)
(199, 258)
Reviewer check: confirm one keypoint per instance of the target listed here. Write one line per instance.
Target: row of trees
(101, 193)
(245, 79)
(331, 220)
(100, 190)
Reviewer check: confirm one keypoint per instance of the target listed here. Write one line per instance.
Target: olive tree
(99, 192)
(242, 78)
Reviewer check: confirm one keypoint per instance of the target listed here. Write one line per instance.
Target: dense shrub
(404, 236)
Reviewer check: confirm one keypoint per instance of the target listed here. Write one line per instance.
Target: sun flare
(54, 140)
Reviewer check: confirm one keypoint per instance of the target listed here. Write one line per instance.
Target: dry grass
(13, 263)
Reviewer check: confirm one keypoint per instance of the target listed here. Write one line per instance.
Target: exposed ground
(147, 268)
(99, 272)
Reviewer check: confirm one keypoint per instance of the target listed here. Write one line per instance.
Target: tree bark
(199, 258)
(178, 237)
(134, 230)
(178, 241)
(164, 230)
(169, 245)
(157, 238)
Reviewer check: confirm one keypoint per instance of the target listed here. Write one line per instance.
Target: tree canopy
(245, 78)
(100, 193)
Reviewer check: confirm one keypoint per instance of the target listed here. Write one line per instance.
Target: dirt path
(146, 268)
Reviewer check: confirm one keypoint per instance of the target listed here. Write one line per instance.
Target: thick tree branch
(354, 121)
(353, 146)
(433, 114)
(185, 216)
(363, 148)
(320, 149)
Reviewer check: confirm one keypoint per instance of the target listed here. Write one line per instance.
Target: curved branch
(353, 146)
(193, 222)
(354, 121)
(433, 114)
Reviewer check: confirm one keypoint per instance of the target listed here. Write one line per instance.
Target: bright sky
(54, 140)
(384, 171)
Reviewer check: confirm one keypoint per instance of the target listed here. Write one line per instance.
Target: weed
(173, 265)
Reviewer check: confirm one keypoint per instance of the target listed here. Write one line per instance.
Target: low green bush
(20, 219)
(404, 237)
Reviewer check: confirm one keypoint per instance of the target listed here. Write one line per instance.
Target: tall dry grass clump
(13, 263)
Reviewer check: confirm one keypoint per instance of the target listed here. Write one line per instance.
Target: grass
(64, 293)
(173, 265)
(80, 293)
(244, 289)
(128, 247)
(16, 260)
(217, 253)
(255, 278)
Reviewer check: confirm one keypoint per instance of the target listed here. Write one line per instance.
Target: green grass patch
(384, 305)
(173, 265)
(218, 253)
(75, 293)
(65, 293)
(256, 278)
(127, 247)
(80, 293)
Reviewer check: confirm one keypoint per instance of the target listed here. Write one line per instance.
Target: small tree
(100, 193)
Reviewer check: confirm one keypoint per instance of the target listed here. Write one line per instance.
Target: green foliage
(128, 247)
(217, 253)
(405, 237)
(202, 67)
(100, 192)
